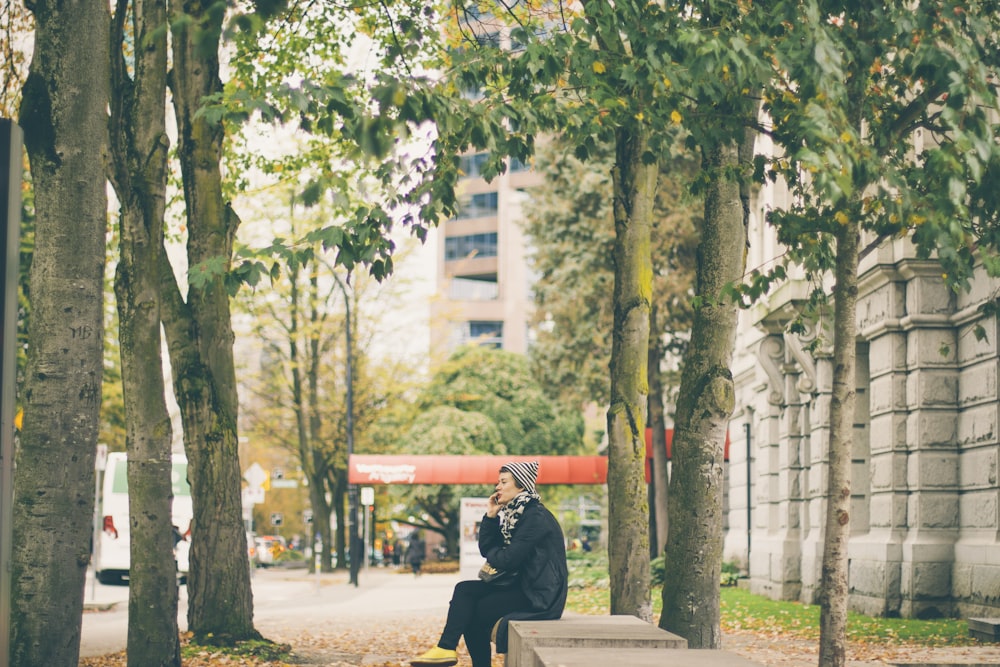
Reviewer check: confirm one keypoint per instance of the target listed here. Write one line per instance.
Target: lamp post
(10, 235)
(354, 542)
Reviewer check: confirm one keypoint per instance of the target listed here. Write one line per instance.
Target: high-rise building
(483, 279)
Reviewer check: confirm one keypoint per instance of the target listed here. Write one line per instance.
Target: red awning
(444, 469)
(378, 469)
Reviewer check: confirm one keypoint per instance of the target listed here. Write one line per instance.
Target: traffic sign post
(367, 499)
(253, 494)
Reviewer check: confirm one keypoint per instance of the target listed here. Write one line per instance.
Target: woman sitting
(520, 538)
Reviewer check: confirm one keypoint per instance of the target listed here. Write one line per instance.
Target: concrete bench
(552, 656)
(985, 629)
(585, 632)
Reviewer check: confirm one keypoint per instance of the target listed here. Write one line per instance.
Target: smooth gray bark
(628, 543)
(705, 402)
(139, 147)
(64, 117)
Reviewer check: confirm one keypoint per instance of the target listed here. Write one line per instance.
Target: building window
(471, 91)
(484, 204)
(471, 166)
(484, 333)
(473, 245)
(468, 289)
(516, 165)
(489, 39)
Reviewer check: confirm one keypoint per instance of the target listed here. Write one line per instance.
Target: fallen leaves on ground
(391, 644)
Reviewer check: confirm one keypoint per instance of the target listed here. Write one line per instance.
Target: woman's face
(506, 488)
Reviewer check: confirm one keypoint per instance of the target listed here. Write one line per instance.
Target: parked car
(269, 547)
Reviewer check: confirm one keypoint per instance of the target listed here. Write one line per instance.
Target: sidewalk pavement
(390, 614)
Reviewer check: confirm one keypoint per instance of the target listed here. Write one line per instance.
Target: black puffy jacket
(537, 550)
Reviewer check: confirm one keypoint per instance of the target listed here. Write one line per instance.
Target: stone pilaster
(876, 549)
(932, 444)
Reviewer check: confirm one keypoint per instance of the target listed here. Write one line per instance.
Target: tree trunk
(705, 402)
(220, 601)
(139, 147)
(628, 544)
(320, 457)
(64, 117)
(321, 523)
(658, 424)
(833, 584)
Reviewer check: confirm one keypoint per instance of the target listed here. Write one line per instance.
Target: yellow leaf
(598, 67)
(845, 136)
(840, 217)
(675, 116)
(666, 82)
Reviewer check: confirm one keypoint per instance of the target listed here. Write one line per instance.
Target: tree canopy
(501, 386)
(482, 400)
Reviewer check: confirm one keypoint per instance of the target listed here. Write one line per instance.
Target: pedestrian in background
(416, 552)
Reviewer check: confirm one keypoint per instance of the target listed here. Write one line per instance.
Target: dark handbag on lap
(495, 577)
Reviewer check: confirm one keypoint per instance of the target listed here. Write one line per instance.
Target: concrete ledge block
(985, 629)
(585, 632)
(552, 656)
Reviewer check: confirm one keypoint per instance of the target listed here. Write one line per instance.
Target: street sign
(255, 476)
(253, 496)
(367, 496)
(277, 483)
(307, 516)
(277, 518)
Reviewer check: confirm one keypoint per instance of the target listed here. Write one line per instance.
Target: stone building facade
(925, 523)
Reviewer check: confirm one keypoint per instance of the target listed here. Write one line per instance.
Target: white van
(111, 552)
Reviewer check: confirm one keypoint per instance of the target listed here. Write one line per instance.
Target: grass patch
(743, 611)
(262, 650)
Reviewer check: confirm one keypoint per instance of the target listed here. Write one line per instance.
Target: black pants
(475, 608)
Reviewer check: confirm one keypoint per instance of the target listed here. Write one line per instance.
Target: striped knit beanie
(524, 473)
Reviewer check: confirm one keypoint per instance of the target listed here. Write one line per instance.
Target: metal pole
(367, 535)
(355, 541)
(746, 429)
(10, 245)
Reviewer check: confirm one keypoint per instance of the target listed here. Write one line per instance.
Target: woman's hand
(493, 507)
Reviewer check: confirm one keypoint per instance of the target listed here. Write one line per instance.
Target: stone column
(776, 557)
(817, 379)
(876, 554)
(932, 476)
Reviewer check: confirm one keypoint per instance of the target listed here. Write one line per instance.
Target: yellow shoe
(436, 657)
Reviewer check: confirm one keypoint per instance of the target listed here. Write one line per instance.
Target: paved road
(287, 602)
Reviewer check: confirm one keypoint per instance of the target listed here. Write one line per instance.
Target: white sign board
(367, 496)
(470, 514)
(253, 496)
(255, 475)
